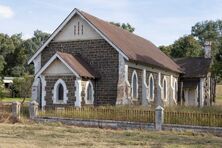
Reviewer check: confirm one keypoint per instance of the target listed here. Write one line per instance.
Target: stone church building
(88, 61)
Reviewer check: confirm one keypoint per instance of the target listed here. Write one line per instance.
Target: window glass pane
(89, 92)
(164, 89)
(151, 88)
(175, 89)
(134, 86)
(60, 92)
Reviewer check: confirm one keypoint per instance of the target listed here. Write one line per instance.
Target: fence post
(16, 110)
(159, 118)
(33, 109)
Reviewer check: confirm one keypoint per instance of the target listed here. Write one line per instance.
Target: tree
(166, 49)
(186, 46)
(31, 45)
(126, 26)
(17, 58)
(36, 41)
(6, 47)
(207, 31)
(23, 86)
(2, 90)
(211, 31)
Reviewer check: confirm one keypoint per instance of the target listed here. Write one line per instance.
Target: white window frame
(55, 93)
(165, 98)
(137, 86)
(149, 96)
(86, 93)
(175, 90)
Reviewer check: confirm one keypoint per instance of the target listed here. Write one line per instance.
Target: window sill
(135, 99)
(150, 100)
(58, 102)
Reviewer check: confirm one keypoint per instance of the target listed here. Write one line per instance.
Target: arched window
(134, 84)
(151, 86)
(60, 92)
(89, 93)
(164, 89)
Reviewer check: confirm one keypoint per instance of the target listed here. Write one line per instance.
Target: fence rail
(135, 115)
(5, 108)
(117, 114)
(193, 118)
(24, 111)
(123, 114)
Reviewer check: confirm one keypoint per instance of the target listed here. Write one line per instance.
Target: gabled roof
(194, 67)
(79, 65)
(75, 64)
(131, 46)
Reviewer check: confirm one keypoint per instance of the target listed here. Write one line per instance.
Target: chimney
(207, 49)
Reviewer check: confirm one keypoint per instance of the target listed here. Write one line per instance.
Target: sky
(160, 21)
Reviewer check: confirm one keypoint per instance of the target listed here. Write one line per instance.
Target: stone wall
(102, 57)
(70, 84)
(130, 125)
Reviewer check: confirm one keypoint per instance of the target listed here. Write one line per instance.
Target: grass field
(56, 135)
(14, 99)
(219, 95)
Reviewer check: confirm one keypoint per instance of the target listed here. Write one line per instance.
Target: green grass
(14, 99)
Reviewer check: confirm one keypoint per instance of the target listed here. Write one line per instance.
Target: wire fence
(24, 111)
(193, 118)
(117, 114)
(122, 114)
(5, 109)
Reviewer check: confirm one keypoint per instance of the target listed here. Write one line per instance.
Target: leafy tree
(186, 46)
(36, 41)
(15, 52)
(2, 90)
(23, 86)
(6, 47)
(166, 49)
(125, 26)
(31, 45)
(207, 31)
(17, 58)
(211, 31)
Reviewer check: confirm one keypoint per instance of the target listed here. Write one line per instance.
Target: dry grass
(219, 90)
(57, 135)
(219, 95)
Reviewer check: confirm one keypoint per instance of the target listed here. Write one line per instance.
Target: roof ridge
(129, 45)
(108, 23)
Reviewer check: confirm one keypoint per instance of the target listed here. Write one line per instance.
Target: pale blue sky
(160, 21)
